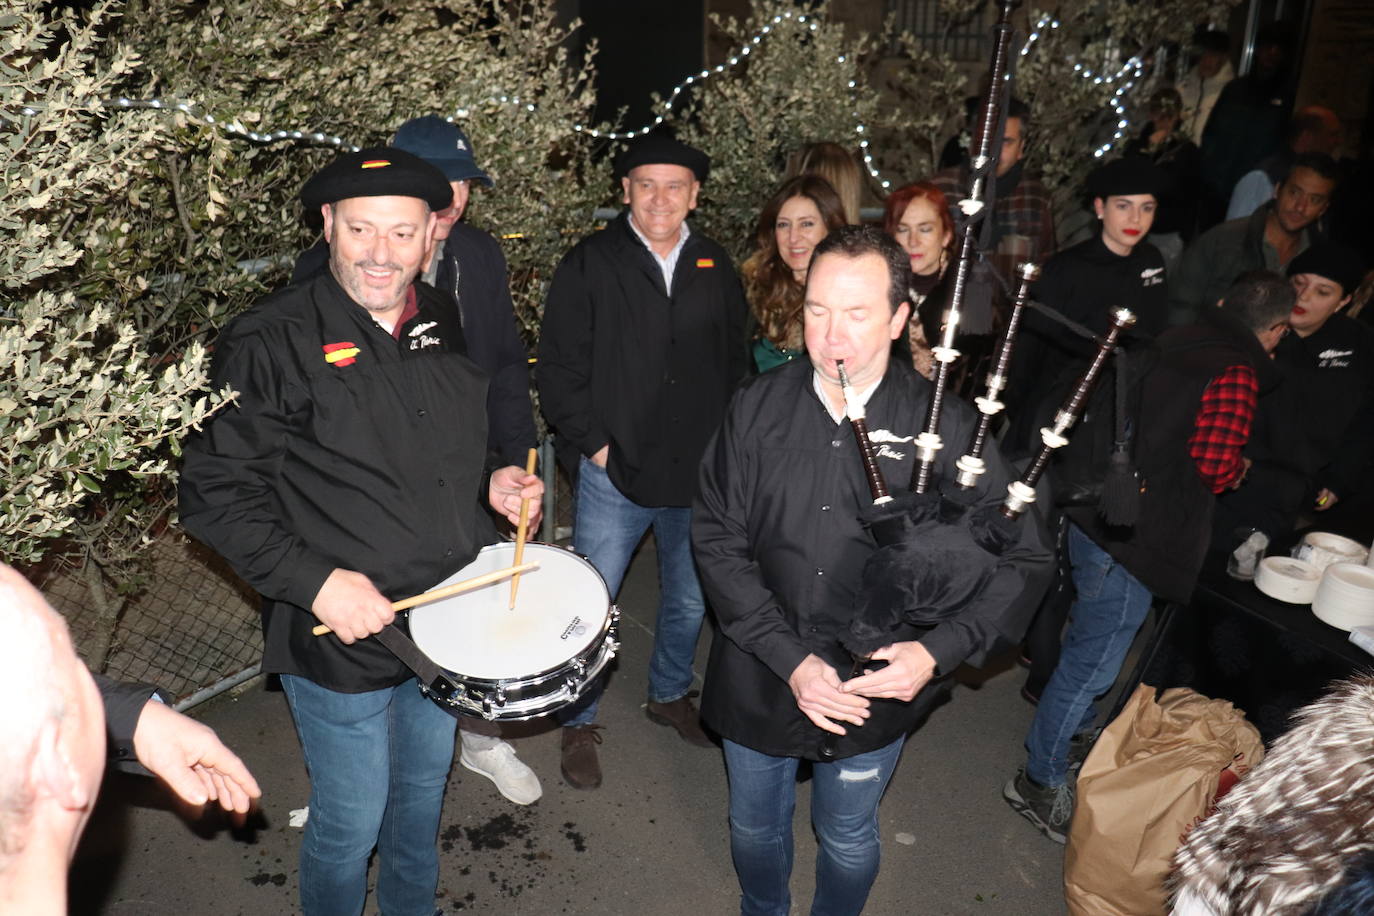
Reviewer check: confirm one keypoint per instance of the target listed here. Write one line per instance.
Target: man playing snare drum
(348, 474)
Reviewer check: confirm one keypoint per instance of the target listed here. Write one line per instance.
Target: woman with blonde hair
(837, 166)
(800, 213)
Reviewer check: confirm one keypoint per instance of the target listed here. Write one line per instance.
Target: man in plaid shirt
(1023, 221)
(1196, 407)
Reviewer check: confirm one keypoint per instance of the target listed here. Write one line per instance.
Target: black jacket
(124, 704)
(1166, 547)
(472, 269)
(780, 550)
(371, 462)
(623, 363)
(1083, 283)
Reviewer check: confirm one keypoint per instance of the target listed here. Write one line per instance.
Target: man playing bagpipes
(782, 552)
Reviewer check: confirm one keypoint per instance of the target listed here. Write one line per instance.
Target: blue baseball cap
(443, 145)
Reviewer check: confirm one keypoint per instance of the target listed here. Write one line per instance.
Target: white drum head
(560, 610)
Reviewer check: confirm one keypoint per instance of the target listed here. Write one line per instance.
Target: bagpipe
(936, 548)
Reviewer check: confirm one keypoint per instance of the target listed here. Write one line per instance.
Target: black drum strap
(404, 648)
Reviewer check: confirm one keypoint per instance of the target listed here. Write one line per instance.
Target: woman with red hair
(917, 216)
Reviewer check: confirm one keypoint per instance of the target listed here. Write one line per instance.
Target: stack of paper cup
(1322, 549)
(1345, 597)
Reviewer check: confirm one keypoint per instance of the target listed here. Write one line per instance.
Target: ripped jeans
(844, 813)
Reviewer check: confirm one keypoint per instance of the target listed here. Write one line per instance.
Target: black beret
(378, 171)
(1131, 175)
(662, 148)
(1333, 261)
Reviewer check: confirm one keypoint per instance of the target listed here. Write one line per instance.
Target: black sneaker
(1080, 745)
(1048, 808)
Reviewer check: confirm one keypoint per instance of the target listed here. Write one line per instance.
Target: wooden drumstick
(523, 530)
(448, 591)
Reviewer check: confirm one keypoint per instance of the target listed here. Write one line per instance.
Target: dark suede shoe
(581, 768)
(682, 715)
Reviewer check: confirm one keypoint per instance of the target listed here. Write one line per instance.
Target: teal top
(768, 355)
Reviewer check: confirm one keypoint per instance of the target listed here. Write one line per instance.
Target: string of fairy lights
(1124, 79)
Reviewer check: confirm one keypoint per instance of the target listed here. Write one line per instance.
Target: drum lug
(500, 697)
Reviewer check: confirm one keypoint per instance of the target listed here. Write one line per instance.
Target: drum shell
(520, 694)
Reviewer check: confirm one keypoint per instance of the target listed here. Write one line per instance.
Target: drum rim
(591, 650)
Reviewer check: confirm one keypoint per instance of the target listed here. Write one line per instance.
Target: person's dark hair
(896, 203)
(774, 294)
(856, 241)
(1019, 109)
(1320, 163)
(1259, 299)
(1212, 40)
(1355, 893)
(1277, 34)
(1165, 101)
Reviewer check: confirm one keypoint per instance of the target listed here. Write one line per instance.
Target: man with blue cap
(351, 471)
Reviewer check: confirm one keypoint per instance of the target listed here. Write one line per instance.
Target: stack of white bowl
(1322, 549)
(1287, 579)
(1345, 597)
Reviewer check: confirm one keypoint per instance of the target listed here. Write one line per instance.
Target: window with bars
(961, 41)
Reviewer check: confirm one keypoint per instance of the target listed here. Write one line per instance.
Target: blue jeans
(844, 813)
(607, 528)
(378, 765)
(1103, 621)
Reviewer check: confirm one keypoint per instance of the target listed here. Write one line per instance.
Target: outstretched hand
(191, 759)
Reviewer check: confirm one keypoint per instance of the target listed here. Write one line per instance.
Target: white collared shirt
(666, 264)
(835, 415)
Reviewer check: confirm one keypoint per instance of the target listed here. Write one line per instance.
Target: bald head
(1315, 129)
(53, 750)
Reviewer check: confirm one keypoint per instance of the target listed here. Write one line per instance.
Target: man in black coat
(351, 472)
(642, 344)
(782, 552)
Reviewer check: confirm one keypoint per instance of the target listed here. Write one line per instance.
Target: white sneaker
(498, 763)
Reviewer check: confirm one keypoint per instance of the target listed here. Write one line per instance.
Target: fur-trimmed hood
(1282, 838)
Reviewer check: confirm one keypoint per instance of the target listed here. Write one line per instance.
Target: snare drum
(523, 662)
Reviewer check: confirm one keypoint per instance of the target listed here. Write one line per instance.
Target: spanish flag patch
(376, 164)
(341, 354)
(706, 262)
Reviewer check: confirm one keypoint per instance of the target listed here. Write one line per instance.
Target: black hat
(1333, 261)
(378, 171)
(443, 145)
(1130, 175)
(662, 148)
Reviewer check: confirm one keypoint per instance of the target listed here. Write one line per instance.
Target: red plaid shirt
(1222, 427)
(1025, 219)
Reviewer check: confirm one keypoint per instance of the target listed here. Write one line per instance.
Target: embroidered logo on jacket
(883, 435)
(421, 328)
(706, 262)
(341, 354)
(1152, 276)
(1334, 359)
